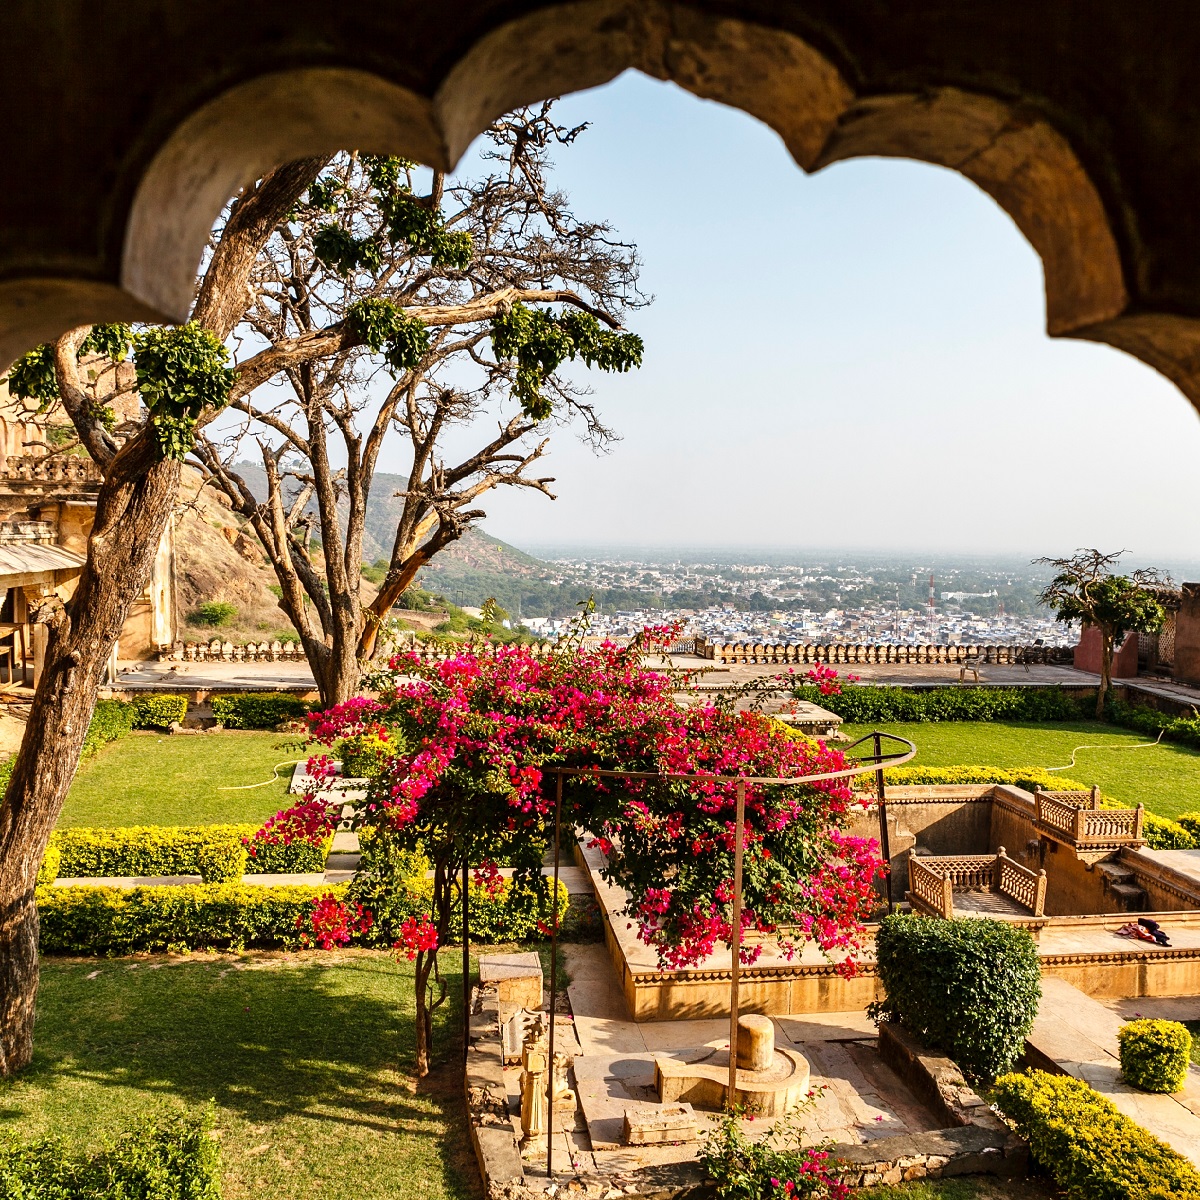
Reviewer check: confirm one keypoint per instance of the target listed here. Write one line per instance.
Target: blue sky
(853, 359)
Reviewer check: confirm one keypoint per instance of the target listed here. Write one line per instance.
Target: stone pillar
(755, 1042)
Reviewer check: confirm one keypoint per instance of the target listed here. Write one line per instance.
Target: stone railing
(1026, 887)
(838, 652)
(932, 880)
(1076, 819)
(219, 651)
(37, 468)
(927, 890)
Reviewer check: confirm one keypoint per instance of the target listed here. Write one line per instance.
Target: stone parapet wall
(275, 651)
(839, 652)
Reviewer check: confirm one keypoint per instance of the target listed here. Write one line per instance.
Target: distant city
(815, 602)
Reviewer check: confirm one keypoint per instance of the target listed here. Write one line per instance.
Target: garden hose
(1114, 749)
(242, 787)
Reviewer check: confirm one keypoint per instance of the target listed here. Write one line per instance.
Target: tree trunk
(424, 1019)
(1106, 657)
(336, 670)
(132, 510)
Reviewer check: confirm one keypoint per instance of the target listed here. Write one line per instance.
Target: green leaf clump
(386, 329)
(1155, 1054)
(32, 376)
(540, 341)
(165, 1156)
(1088, 1147)
(181, 371)
(968, 986)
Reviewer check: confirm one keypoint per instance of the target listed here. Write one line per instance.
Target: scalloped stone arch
(1010, 151)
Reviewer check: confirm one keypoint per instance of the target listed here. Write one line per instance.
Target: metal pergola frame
(876, 762)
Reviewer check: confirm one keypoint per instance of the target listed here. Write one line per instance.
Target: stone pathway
(1079, 1035)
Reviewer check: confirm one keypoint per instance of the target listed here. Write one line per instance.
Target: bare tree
(1086, 590)
(385, 311)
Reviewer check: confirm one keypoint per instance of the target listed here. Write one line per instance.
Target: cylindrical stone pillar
(755, 1042)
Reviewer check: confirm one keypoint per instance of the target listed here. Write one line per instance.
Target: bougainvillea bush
(472, 738)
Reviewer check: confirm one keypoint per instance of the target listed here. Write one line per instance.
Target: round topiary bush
(1155, 1054)
(969, 987)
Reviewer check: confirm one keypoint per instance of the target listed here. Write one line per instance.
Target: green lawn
(158, 779)
(306, 1055)
(1165, 778)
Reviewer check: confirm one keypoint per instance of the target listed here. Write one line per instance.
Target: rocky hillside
(216, 562)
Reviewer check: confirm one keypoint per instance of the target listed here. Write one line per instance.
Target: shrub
(159, 712)
(213, 613)
(1028, 778)
(104, 920)
(217, 853)
(1155, 1054)
(969, 987)
(170, 1156)
(297, 857)
(1090, 1149)
(111, 719)
(49, 871)
(1185, 730)
(257, 710)
(1161, 833)
(199, 916)
(777, 1165)
(364, 755)
(866, 705)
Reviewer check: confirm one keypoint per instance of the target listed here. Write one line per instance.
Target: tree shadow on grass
(321, 1038)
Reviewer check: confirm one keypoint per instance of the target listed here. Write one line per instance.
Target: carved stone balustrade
(932, 881)
(1076, 819)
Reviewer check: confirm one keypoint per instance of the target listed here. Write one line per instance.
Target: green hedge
(969, 987)
(257, 710)
(159, 712)
(170, 1156)
(111, 719)
(297, 858)
(199, 916)
(1155, 1054)
(1185, 730)
(1028, 778)
(866, 705)
(1161, 833)
(217, 853)
(1090, 1149)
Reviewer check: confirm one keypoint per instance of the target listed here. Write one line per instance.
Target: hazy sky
(855, 358)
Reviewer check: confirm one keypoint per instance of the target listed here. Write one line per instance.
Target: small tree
(465, 781)
(1086, 590)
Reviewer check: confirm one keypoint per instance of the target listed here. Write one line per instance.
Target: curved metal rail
(876, 762)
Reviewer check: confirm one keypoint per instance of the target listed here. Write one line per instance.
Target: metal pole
(558, 790)
(885, 848)
(466, 966)
(735, 939)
